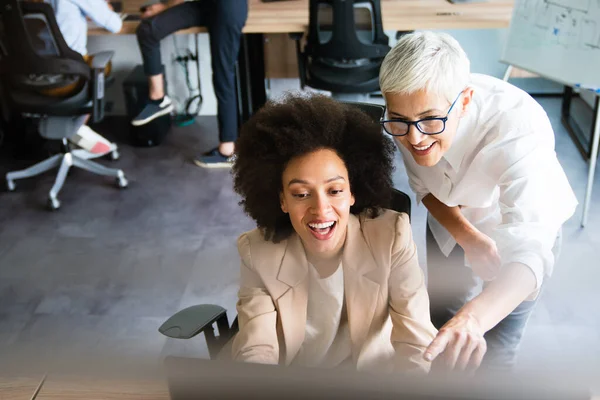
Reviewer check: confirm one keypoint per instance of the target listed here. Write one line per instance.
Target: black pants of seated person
(224, 20)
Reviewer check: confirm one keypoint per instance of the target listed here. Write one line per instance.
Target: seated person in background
(224, 20)
(71, 17)
(329, 272)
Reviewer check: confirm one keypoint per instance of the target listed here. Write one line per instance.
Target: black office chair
(341, 55)
(193, 320)
(36, 62)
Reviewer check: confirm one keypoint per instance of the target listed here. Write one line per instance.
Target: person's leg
(450, 283)
(87, 138)
(149, 34)
(225, 28)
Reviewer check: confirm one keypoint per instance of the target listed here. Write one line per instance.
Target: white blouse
(503, 170)
(327, 338)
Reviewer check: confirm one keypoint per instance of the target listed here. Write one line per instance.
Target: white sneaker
(89, 140)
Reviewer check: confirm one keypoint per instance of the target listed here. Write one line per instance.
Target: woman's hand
(153, 9)
(459, 345)
(480, 249)
(482, 253)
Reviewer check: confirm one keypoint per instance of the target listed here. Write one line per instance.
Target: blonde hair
(427, 60)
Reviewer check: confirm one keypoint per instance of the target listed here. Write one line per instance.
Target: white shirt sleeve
(98, 11)
(535, 198)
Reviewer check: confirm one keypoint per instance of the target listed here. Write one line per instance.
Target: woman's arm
(409, 303)
(256, 341)
(156, 8)
(479, 248)
(461, 341)
(101, 13)
(535, 199)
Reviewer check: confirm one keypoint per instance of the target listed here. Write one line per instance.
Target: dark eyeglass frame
(382, 121)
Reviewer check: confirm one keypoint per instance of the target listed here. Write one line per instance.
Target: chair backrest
(35, 45)
(335, 32)
(400, 201)
(39, 73)
(375, 111)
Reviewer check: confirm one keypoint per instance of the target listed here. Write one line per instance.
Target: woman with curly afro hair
(329, 277)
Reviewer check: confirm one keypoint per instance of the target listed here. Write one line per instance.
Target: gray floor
(100, 275)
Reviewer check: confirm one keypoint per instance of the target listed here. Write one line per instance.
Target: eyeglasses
(427, 126)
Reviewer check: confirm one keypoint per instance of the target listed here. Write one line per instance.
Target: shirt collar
(456, 153)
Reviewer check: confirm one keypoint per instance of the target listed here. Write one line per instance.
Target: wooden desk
(78, 388)
(401, 15)
(65, 388)
(19, 387)
(293, 15)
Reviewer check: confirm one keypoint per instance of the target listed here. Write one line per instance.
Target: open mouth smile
(423, 150)
(322, 230)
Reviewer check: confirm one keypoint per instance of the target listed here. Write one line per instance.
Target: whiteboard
(556, 39)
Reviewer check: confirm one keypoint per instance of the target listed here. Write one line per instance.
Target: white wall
(483, 47)
(127, 56)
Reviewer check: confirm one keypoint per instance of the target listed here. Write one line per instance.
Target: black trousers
(224, 20)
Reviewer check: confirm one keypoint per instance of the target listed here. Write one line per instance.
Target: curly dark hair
(296, 126)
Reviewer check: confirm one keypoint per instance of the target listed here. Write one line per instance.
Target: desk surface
(85, 388)
(19, 387)
(399, 15)
(77, 388)
(93, 389)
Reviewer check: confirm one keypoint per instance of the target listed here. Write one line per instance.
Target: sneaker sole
(153, 116)
(212, 165)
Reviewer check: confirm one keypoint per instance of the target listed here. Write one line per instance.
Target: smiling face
(316, 195)
(427, 150)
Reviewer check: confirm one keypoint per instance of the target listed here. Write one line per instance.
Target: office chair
(37, 60)
(342, 56)
(196, 319)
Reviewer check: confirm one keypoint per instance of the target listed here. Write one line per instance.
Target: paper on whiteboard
(559, 39)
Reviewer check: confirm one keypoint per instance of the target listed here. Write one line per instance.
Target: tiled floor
(101, 275)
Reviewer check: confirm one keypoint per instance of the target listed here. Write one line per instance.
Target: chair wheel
(122, 182)
(53, 204)
(114, 155)
(10, 185)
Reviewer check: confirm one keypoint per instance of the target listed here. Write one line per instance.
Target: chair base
(76, 158)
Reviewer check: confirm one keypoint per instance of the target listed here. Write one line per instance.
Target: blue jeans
(451, 284)
(224, 20)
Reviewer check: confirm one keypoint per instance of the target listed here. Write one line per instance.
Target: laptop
(190, 378)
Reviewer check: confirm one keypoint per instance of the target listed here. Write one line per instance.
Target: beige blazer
(385, 293)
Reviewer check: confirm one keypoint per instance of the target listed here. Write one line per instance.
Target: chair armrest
(189, 322)
(99, 63)
(101, 60)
